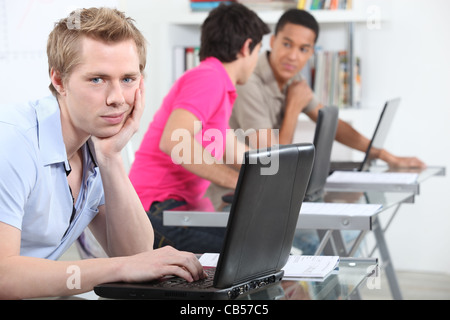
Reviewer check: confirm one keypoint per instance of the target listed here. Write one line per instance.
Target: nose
(293, 54)
(115, 96)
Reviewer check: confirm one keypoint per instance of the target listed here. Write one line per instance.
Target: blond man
(62, 170)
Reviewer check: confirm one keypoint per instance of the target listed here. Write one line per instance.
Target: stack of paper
(347, 209)
(316, 268)
(384, 181)
(373, 177)
(298, 267)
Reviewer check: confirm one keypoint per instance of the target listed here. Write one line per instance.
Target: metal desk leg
(339, 243)
(331, 243)
(386, 260)
(324, 236)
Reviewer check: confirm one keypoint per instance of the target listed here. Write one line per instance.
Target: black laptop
(378, 139)
(259, 235)
(324, 136)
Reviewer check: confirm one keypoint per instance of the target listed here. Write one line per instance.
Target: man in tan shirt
(276, 94)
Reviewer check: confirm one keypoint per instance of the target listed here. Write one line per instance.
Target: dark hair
(226, 29)
(299, 17)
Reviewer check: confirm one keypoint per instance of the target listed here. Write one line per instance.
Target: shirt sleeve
(199, 93)
(18, 174)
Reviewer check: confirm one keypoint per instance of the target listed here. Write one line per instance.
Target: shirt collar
(51, 142)
(264, 71)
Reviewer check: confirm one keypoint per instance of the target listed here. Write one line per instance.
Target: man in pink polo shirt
(184, 149)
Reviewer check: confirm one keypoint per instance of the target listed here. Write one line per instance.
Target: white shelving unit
(271, 17)
(184, 27)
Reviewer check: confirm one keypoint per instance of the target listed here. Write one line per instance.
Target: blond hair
(104, 24)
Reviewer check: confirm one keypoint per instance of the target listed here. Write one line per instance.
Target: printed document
(298, 267)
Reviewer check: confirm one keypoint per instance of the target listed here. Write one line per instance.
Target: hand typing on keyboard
(162, 262)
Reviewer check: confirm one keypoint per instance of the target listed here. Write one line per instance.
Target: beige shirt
(260, 103)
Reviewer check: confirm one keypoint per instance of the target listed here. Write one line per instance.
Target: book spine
(301, 4)
(185, 58)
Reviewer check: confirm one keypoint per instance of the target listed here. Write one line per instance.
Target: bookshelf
(185, 26)
(271, 17)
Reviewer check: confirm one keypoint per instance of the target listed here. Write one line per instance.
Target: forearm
(212, 170)
(128, 229)
(348, 136)
(25, 277)
(288, 126)
(200, 162)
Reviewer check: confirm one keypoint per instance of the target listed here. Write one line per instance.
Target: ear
(272, 40)
(245, 50)
(57, 81)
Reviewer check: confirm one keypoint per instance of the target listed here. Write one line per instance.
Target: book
(260, 5)
(324, 4)
(206, 5)
(330, 78)
(185, 58)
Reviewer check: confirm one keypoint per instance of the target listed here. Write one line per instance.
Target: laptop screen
(264, 213)
(324, 136)
(381, 132)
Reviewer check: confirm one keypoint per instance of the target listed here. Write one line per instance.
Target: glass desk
(342, 284)
(355, 186)
(329, 228)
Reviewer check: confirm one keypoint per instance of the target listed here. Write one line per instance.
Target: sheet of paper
(373, 177)
(311, 267)
(209, 259)
(348, 209)
(297, 267)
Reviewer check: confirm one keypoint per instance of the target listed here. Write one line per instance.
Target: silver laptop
(378, 140)
(259, 234)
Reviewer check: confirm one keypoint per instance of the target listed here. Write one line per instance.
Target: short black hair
(226, 29)
(299, 17)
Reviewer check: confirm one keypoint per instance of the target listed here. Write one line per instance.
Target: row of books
(327, 73)
(185, 58)
(262, 5)
(329, 77)
(325, 4)
(206, 5)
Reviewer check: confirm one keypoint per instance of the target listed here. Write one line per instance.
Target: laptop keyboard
(182, 283)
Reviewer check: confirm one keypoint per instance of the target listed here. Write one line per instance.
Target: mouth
(289, 67)
(114, 119)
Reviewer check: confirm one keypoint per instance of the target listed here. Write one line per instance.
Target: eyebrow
(104, 75)
(302, 45)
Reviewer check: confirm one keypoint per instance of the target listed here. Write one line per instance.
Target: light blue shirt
(34, 193)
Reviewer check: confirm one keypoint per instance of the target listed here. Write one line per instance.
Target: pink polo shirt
(207, 92)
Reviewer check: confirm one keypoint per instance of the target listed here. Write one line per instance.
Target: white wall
(406, 57)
